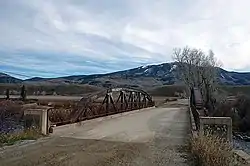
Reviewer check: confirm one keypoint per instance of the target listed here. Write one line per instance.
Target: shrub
(242, 108)
(10, 108)
(168, 91)
(170, 99)
(238, 108)
(211, 151)
(23, 93)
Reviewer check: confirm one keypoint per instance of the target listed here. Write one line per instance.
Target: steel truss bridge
(108, 102)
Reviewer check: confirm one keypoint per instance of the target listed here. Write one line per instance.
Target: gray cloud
(109, 33)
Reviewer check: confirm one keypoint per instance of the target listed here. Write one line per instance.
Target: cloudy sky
(63, 37)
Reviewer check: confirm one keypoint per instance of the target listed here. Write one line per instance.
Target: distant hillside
(5, 78)
(144, 76)
(234, 78)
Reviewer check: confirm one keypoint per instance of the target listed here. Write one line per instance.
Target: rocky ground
(241, 145)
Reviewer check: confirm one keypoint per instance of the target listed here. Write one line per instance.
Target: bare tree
(197, 69)
(23, 93)
(7, 93)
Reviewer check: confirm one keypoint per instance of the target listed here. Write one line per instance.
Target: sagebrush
(211, 151)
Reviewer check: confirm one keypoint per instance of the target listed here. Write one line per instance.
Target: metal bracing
(104, 103)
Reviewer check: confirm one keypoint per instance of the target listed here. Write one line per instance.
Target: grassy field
(69, 90)
(234, 90)
(168, 90)
(78, 89)
(33, 89)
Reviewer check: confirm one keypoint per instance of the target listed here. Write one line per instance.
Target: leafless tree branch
(198, 69)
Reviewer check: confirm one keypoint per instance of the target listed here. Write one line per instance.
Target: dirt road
(151, 137)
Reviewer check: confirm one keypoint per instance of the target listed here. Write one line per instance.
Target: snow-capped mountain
(143, 76)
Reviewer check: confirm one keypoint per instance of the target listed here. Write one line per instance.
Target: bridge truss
(111, 101)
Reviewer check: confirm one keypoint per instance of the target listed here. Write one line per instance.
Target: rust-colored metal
(111, 101)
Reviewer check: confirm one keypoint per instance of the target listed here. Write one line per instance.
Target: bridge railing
(196, 116)
(104, 103)
(219, 126)
(201, 124)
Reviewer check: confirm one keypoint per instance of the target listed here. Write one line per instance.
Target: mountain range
(143, 76)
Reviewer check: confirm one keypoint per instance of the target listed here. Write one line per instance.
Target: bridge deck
(150, 137)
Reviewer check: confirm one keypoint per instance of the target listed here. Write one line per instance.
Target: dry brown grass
(11, 111)
(49, 88)
(10, 108)
(211, 151)
(11, 138)
(167, 90)
(238, 108)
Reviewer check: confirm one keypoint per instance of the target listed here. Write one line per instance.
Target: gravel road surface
(156, 136)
